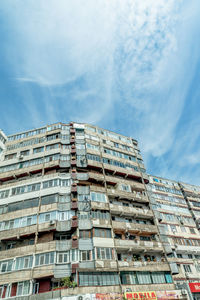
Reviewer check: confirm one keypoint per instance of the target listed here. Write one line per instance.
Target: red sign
(140, 295)
(195, 287)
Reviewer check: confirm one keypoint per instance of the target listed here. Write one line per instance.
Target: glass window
(144, 278)
(98, 197)
(104, 253)
(98, 278)
(187, 268)
(44, 258)
(102, 232)
(158, 277)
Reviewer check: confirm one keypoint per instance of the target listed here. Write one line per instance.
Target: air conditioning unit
(183, 292)
(52, 222)
(187, 275)
(84, 297)
(21, 157)
(128, 290)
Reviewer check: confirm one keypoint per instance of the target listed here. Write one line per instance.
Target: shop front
(195, 289)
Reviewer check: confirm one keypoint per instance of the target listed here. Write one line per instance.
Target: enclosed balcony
(139, 246)
(130, 211)
(135, 227)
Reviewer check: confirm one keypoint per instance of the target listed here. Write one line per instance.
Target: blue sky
(129, 66)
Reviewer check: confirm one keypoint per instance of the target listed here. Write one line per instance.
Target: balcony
(106, 265)
(134, 196)
(143, 266)
(187, 249)
(139, 246)
(135, 228)
(101, 223)
(29, 249)
(99, 205)
(29, 170)
(131, 211)
(16, 233)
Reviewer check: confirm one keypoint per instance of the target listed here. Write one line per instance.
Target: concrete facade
(74, 203)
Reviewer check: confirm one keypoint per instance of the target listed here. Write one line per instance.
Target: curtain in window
(158, 277)
(144, 277)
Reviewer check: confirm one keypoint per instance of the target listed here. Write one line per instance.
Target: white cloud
(134, 56)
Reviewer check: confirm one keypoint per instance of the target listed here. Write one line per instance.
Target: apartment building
(75, 218)
(176, 209)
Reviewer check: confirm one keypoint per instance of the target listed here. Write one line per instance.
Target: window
(187, 268)
(6, 266)
(98, 197)
(87, 255)
(85, 234)
(173, 228)
(98, 278)
(47, 217)
(105, 253)
(145, 277)
(23, 288)
(38, 150)
(25, 152)
(53, 146)
(63, 257)
(74, 253)
(145, 238)
(125, 188)
(24, 262)
(183, 229)
(10, 156)
(101, 232)
(158, 277)
(168, 278)
(179, 255)
(10, 246)
(4, 194)
(99, 214)
(197, 266)
(192, 230)
(44, 259)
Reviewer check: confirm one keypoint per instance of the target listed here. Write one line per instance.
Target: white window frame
(62, 255)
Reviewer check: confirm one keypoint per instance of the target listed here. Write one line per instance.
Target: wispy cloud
(119, 63)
